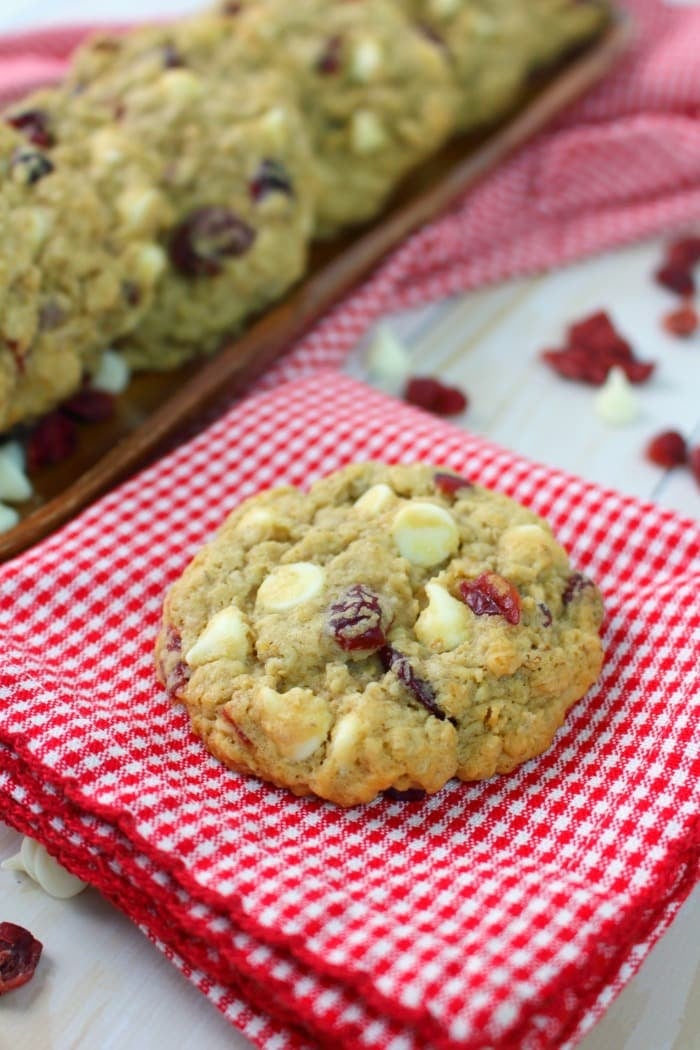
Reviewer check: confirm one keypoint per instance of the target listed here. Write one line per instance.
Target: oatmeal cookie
(214, 168)
(66, 288)
(376, 92)
(392, 628)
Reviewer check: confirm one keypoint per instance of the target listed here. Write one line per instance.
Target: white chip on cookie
(290, 585)
(375, 500)
(445, 622)
(224, 637)
(425, 533)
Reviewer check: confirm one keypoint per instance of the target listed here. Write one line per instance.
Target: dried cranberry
(32, 165)
(329, 60)
(34, 125)
(694, 462)
(131, 293)
(231, 7)
(450, 483)
(546, 614)
(676, 278)
(207, 236)
(685, 252)
(576, 583)
(90, 406)
(667, 449)
(408, 795)
(682, 322)
(393, 660)
(242, 736)
(53, 439)
(598, 333)
(172, 59)
(177, 677)
(491, 594)
(19, 955)
(271, 177)
(434, 396)
(355, 620)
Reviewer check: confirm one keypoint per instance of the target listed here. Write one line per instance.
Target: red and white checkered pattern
(491, 915)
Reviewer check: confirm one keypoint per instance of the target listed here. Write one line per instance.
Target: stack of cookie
(169, 188)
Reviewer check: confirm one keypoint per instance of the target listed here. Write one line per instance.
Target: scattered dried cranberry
(34, 124)
(242, 736)
(231, 7)
(53, 439)
(32, 164)
(328, 61)
(355, 620)
(546, 614)
(434, 396)
(450, 483)
(271, 177)
(51, 315)
(491, 594)
(90, 406)
(179, 674)
(682, 322)
(408, 795)
(19, 955)
(667, 449)
(694, 462)
(172, 59)
(593, 347)
(576, 583)
(685, 252)
(677, 279)
(131, 293)
(207, 236)
(393, 660)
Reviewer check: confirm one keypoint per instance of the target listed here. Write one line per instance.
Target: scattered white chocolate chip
(297, 721)
(615, 402)
(8, 518)
(224, 637)
(366, 131)
(445, 622)
(181, 86)
(387, 360)
(290, 585)
(276, 123)
(425, 534)
(258, 520)
(15, 486)
(36, 224)
(34, 861)
(14, 451)
(140, 208)
(112, 375)
(375, 500)
(366, 60)
(531, 547)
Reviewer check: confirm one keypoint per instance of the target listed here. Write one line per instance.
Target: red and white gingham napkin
(501, 914)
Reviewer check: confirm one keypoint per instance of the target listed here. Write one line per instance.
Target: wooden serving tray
(158, 408)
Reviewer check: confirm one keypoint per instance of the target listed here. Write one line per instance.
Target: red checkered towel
(500, 914)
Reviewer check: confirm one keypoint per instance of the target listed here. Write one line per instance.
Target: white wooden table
(101, 985)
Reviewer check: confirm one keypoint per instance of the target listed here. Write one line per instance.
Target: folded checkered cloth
(499, 914)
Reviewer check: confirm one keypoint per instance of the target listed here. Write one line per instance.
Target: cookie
(392, 628)
(213, 167)
(375, 89)
(560, 26)
(66, 288)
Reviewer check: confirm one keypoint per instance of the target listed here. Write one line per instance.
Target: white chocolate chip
(150, 263)
(14, 451)
(290, 585)
(366, 60)
(367, 132)
(297, 721)
(258, 521)
(36, 225)
(181, 86)
(276, 123)
(140, 208)
(107, 148)
(528, 547)
(387, 360)
(425, 533)
(375, 500)
(615, 402)
(444, 8)
(224, 637)
(15, 486)
(346, 737)
(35, 862)
(445, 622)
(112, 375)
(8, 518)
